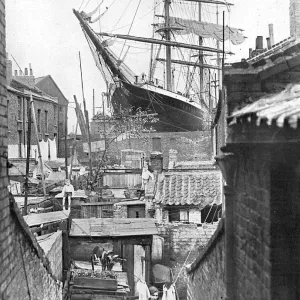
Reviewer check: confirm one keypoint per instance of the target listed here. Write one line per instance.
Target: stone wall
(206, 274)
(25, 272)
(182, 244)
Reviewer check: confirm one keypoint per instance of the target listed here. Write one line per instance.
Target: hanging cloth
(169, 292)
(143, 290)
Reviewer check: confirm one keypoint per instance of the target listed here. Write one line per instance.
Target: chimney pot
(268, 42)
(16, 73)
(30, 70)
(259, 42)
(250, 52)
(26, 72)
(271, 35)
(20, 72)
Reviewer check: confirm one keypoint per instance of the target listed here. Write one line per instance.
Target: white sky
(46, 34)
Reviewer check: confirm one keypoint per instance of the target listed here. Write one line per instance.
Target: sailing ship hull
(174, 112)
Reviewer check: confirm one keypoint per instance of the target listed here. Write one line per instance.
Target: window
(211, 213)
(19, 109)
(136, 211)
(39, 120)
(46, 121)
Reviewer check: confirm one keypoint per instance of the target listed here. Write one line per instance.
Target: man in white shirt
(68, 191)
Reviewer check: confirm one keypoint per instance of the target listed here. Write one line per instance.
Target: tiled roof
(194, 188)
(280, 108)
(97, 227)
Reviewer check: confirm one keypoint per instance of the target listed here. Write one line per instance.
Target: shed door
(136, 211)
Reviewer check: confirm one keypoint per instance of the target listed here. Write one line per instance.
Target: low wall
(206, 274)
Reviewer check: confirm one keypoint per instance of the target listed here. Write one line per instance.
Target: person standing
(68, 191)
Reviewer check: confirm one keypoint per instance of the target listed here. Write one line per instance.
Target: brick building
(50, 87)
(256, 249)
(25, 271)
(19, 88)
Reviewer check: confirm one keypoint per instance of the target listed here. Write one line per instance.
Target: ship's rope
(130, 27)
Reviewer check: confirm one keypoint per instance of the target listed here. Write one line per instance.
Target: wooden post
(27, 159)
(87, 119)
(73, 149)
(38, 143)
(66, 143)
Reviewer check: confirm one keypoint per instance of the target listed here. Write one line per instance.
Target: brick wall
(252, 224)
(82, 248)
(182, 243)
(25, 272)
(191, 146)
(206, 274)
(52, 246)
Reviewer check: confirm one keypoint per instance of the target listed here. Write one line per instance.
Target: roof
(19, 167)
(39, 80)
(45, 218)
(189, 188)
(282, 108)
(47, 241)
(30, 200)
(56, 176)
(76, 194)
(111, 227)
(131, 202)
(280, 57)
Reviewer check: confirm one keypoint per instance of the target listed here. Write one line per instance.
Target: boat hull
(173, 113)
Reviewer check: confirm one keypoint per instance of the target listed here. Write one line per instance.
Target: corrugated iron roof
(111, 227)
(282, 107)
(45, 218)
(199, 189)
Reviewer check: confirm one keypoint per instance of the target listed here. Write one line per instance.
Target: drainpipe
(227, 164)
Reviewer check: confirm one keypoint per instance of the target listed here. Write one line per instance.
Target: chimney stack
(26, 72)
(295, 18)
(271, 35)
(259, 43)
(172, 158)
(156, 144)
(8, 70)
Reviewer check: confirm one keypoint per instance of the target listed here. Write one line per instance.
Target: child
(68, 191)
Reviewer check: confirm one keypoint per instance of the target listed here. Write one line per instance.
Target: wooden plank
(96, 283)
(128, 265)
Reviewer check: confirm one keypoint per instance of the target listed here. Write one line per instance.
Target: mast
(168, 48)
(200, 52)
